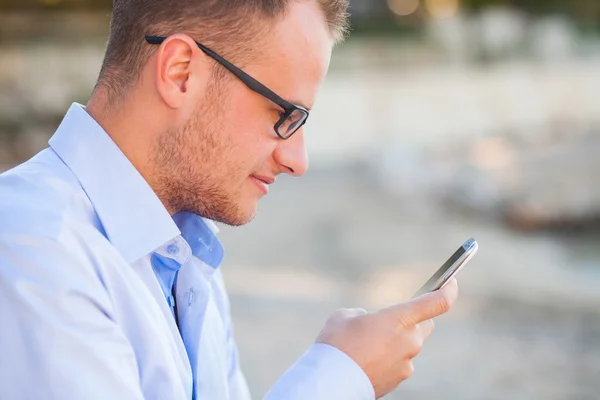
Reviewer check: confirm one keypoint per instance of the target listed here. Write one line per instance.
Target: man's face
(221, 162)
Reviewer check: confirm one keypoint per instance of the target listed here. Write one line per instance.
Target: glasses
(291, 119)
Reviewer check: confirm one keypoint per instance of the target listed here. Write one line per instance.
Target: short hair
(226, 26)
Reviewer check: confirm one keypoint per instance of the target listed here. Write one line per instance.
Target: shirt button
(191, 297)
(172, 249)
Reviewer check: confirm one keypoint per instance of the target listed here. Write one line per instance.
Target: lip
(262, 182)
(266, 179)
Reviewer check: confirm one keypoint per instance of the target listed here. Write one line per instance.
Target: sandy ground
(525, 327)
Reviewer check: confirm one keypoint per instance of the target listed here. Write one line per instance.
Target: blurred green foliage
(583, 12)
(575, 7)
(378, 20)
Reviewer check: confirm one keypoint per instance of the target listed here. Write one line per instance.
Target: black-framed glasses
(291, 119)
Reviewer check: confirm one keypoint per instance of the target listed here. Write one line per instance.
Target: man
(110, 285)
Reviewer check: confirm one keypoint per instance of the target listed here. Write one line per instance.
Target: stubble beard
(192, 167)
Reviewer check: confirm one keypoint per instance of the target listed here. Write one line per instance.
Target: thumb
(426, 306)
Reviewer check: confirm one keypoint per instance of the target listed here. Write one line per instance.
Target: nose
(290, 155)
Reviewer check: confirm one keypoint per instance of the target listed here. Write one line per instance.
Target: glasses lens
(292, 123)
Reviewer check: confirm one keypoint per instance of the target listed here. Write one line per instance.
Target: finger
(424, 307)
(406, 370)
(431, 305)
(425, 328)
(356, 311)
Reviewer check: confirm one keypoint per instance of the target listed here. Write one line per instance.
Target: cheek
(249, 156)
(251, 115)
(252, 128)
(250, 137)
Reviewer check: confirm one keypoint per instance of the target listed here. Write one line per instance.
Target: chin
(242, 216)
(247, 216)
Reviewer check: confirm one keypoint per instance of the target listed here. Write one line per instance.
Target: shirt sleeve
(323, 372)
(58, 340)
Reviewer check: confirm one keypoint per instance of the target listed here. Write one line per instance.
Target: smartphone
(450, 267)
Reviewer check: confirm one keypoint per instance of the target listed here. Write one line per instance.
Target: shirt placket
(166, 262)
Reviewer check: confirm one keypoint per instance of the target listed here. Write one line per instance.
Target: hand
(383, 343)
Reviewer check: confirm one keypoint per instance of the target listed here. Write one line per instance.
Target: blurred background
(440, 120)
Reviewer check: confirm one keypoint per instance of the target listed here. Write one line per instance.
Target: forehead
(294, 57)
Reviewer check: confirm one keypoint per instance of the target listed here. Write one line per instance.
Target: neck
(132, 131)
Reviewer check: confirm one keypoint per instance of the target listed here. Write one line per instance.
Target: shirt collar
(200, 234)
(133, 217)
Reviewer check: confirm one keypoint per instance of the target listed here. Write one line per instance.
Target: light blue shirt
(89, 258)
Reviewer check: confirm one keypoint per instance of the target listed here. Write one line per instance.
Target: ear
(182, 71)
